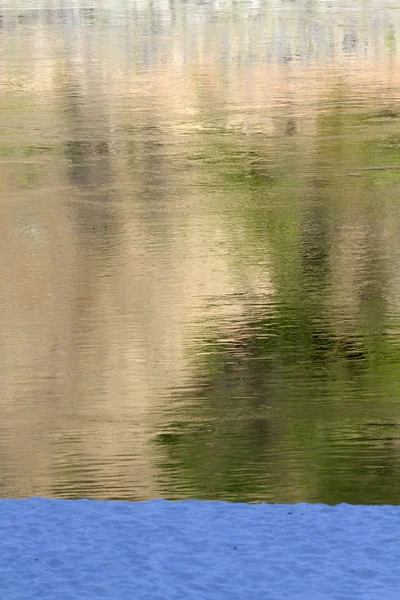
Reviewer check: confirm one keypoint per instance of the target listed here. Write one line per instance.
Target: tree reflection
(287, 389)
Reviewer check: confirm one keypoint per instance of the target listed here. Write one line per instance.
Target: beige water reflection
(199, 283)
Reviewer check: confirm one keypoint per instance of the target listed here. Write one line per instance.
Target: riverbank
(70, 549)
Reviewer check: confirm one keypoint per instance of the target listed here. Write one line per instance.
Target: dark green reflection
(296, 400)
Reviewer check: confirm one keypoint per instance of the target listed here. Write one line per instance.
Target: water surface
(200, 250)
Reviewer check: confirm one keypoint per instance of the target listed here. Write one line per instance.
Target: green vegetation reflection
(298, 399)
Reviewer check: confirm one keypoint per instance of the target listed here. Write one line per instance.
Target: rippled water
(200, 250)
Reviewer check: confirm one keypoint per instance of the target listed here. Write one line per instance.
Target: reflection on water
(199, 231)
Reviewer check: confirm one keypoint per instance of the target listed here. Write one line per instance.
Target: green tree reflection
(297, 400)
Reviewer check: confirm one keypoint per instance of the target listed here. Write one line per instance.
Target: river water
(200, 250)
